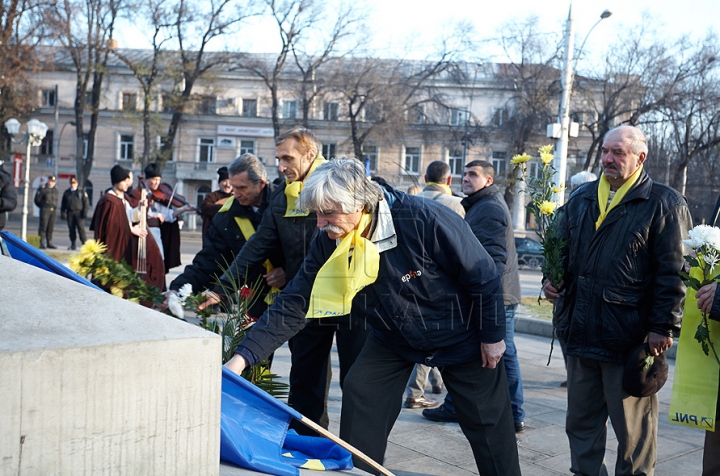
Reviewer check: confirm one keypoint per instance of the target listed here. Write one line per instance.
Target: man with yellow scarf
(623, 250)
(431, 295)
(288, 228)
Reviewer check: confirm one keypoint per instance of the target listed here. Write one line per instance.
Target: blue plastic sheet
(254, 433)
(26, 253)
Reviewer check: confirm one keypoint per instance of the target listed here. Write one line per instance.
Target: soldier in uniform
(46, 199)
(74, 209)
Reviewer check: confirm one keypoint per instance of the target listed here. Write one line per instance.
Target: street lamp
(33, 137)
(561, 145)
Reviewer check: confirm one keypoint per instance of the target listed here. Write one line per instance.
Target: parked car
(529, 252)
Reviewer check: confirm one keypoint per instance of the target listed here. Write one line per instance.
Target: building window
(247, 146)
(498, 162)
(458, 117)
(88, 98)
(372, 112)
(331, 111)
(86, 141)
(127, 147)
(500, 117)
(289, 109)
(46, 147)
(167, 103)
(455, 161)
(47, 98)
(371, 152)
(208, 106)
(129, 102)
(412, 160)
(161, 141)
(534, 169)
(329, 151)
(202, 192)
(207, 149)
(416, 114)
(249, 107)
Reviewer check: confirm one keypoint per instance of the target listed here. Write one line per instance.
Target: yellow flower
(545, 149)
(557, 189)
(92, 248)
(75, 263)
(547, 208)
(116, 291)
(546, 158)
(520, 159)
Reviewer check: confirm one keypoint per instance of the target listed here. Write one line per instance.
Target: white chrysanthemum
(185, 292)
(703, 235)
(176, 306)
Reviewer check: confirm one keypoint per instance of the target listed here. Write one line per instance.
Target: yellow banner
(695, 385)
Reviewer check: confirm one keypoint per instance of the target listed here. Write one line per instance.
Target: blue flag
(254, 434)
(26, 253)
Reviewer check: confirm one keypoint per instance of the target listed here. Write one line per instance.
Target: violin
(166, 195)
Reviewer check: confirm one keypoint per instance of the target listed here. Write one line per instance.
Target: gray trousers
(418, 380)
(595, 391)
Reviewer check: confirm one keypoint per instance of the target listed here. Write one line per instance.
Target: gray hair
(305, 138)
(638, 143)
(581, 178)
(340, 182)
(250, 164)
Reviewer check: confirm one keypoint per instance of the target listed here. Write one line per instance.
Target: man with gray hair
(230, 229)
(620, 289)
(432, 301)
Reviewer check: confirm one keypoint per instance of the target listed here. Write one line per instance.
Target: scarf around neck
(293, 189)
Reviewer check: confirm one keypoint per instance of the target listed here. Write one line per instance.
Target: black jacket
(47, 198)
(221, 244)
(622, 280)
(436, 298)
(8, 196)
(76, 202)
(290, 236)
(489, 218)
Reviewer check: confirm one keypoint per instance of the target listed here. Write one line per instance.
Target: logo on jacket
(410, 275)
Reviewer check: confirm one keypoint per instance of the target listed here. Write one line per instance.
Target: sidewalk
(420, 447)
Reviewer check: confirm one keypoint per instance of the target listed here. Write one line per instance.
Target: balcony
(196, 170)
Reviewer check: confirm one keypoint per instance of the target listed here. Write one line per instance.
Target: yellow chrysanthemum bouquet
(542, 204)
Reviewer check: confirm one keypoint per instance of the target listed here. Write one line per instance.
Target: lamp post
(33, 137)
(561, 145)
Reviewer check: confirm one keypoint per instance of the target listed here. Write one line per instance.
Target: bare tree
(85, 29)
(147, 70)
(196, 25)
(347, 27)
(22, 28)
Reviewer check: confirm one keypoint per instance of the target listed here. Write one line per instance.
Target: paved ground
(420, 447)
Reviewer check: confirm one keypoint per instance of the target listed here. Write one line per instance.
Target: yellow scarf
(342, 276)
(293, 189)
(442, 186)
(604, 194)
(248, 230)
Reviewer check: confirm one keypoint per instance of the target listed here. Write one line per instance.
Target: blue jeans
(512, 369)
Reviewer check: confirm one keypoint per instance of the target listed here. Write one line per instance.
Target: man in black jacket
(8, 195)
(489, 218)
(229, 232)
(46, 198)
(289, 229)
(74, 209)
(621, 286)
(433, 301)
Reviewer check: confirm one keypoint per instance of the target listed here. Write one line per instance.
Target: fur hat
(152, 170)
(223, 174)
(644, 377)
(118, 174)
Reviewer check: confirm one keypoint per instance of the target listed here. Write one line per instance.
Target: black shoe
(519, 426)
(441, 414)
(420, 402)
(42, 247)
(51, 246)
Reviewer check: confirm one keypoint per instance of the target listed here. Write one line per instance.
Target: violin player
(163, 213)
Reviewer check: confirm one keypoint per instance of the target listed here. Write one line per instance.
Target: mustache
(331, 228)
(609, 167)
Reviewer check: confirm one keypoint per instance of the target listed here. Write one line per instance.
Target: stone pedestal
(93, 384)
